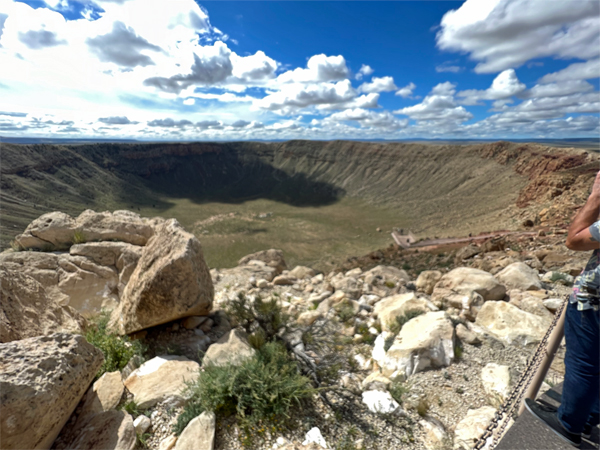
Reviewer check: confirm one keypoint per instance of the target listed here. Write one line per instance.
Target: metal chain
(507, 409)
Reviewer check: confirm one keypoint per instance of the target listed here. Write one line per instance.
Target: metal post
(553, 343)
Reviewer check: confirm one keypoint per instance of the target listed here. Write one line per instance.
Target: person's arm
(579, 237)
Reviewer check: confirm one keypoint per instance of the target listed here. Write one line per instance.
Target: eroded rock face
(519, 276)
(58, 230)
(272, 258)
(511, 325)
(232, 348)
(42, 380)
(171, 281)
(459, 283)
(425, 341)
(390, 308)
(160, 378)
(27, 311)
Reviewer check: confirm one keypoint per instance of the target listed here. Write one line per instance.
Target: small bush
(266, 314)
(345, 312)
(397, 389)
(406, 266)
(132, 408)
(79, 237)
(261, 391)
(117, 350)
(397, 325)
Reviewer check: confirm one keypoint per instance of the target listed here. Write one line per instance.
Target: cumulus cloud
(319, 68)
(209, 124)
(212, 66)
(296, 96)
(407, 91)
(240, 124)
(116, 120)
(257, 67)
(169, 123)
(39, 39)
(558, 89)
(367, 118)
(13, 114)
(364, 71)
(577, 71)
(505, 85)
(383, 84)
(504, 34)
(438, 106)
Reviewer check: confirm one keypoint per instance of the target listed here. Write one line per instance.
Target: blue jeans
(581, 388)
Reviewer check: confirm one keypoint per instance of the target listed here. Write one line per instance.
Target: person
(579, 409)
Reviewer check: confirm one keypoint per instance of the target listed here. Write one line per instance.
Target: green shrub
(397, 389)
(117, 350)
(397, 325)
(561, 278)
(266, 313)
(261, 391)
(79, 237)
(406, 266)
(132, 408)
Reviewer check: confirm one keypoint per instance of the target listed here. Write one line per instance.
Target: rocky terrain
(397, 349)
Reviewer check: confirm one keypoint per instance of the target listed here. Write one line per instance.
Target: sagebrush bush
(400, 321)
(117, 350)
(258, 314)
(261, 391)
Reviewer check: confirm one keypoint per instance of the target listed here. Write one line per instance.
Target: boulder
(469, 429)
(466, 335)
(168, 443)
(110, 430)
(383, 274)
(232, 348)
(552, 304)
(26, 311)
(380, 402)
(529, 303)
(199, 434)
(497, 383)
(284, 280)
(170, 281)
(391, 308)
(427, 280)
(104, 395)
(435, 435)
(308, 318)
(160, 378)
(141, 424)
(302, 272)
(467, 252)
(459, 283)
(272, 257)
(425, 341)
(349, 285)
(69, 280)
(376, 382)
(519, 276)
(314, 437)
(59, 230)
(511, 325)
(42, 380)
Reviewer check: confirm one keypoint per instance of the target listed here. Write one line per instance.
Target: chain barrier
(507, 410)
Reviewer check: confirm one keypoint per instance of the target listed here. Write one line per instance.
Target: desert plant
(266, 314)
(117, 350)
(16, 247)
(561, 278)
(132, 408)
(79, 237)
(261, 391)
(397, 389)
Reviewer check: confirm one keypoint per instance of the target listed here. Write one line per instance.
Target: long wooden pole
(553, 343)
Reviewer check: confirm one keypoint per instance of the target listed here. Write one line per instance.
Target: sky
(272, 70)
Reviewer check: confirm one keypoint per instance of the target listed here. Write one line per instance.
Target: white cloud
(383, 84)
(364, 71)
(407, 91)
(559, 89)
(504, 34)
(257, 67)
(576, 71)
(368, 118)
(319, 68)
(448, 67)
(505, 85)
(438, 106)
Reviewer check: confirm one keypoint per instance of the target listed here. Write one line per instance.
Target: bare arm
(579, 237)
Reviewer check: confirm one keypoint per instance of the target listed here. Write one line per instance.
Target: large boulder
(383, 274)
(26, 311)
(427, 280)
(425, 341)
(469, 429)
(271, 257)
(199, 434)
(389, 309)
(497, 383)
(462, 282)
(511, 325)
(42, 380)
(232, 348)
(110, 430)
(59, 230)
(302, 272)
(520, 276)
(171, 281)
(69, 280)
(160, 378)
(104, 395)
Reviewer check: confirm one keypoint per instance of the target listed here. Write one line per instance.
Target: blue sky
(185, 70)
